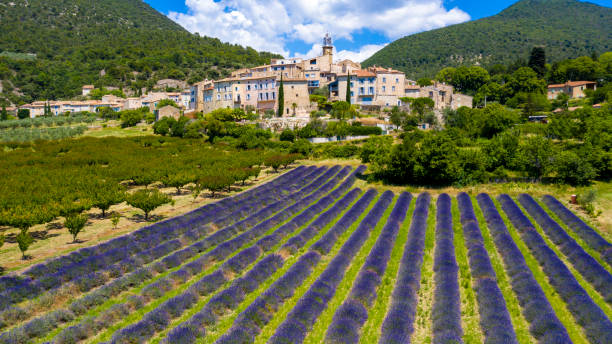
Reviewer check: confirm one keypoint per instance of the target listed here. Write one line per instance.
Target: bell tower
(328, 48)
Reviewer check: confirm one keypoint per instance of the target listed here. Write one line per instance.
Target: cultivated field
(310, 258)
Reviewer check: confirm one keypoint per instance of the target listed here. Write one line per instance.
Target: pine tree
(537, 60)
(348, 88)
(281, 98)
(3, 114)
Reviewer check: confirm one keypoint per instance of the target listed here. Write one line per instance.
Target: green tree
(470, 79)
(147, 200)
(166, 102)
(1, 240)
(178, 180)
(423, 82)
(497, 118)
(525, 80)
(215, 183)
(24, 241)
(130, 118)
(107, 194)
(537, 60)
(287, 135)
(23, 113)
(115, 219)
(535, 157)
(421, 105)
(281, 98)
(75, 224)
(3, 114)
(348, 88)
(573, 170)
(162, 127)
(341, 110)
(446, 75)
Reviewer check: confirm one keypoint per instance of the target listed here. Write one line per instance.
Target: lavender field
(309, 258)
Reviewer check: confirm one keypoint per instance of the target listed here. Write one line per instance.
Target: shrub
(130, 118)
(287, 135)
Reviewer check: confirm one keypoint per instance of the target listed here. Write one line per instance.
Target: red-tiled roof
(572, 84)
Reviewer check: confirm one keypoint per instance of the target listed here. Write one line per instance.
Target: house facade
(574, 89)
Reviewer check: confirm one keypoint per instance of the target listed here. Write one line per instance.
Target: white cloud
(361, 55)
(271, 24)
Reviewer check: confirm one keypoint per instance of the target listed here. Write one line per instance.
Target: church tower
(328, 48)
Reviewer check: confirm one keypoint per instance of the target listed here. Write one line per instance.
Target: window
(352, 94)
(361, 90)
(273, 95)
(384, 89)
(255, 86)
(384, 80)
(313, 62)
(248, 87)
(392, 88)
(397, 80)
(236, 88)
(371, 90)
(218, 97)
(248, 97)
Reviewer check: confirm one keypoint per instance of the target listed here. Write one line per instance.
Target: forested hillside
(122, 43)
(566, 28)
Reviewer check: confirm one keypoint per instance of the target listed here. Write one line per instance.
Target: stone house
(167, 111)
(574, 89)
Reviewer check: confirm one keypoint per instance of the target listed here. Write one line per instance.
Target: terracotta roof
(412, 87)
(572, 84)
(362, 73)
(89, 86)
(384, 70)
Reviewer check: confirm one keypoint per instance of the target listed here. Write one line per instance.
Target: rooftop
(572, 84)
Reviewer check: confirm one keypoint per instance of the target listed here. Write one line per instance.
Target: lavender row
(399, 321)
(240, 261)
(249, 323)
(353, 313)
(494, 317)
(101, 295)
(596, 324)
(544, 324)
(89, 280)
(159, 319)
(49, 278)
(311, 305)
(584, 231)
(247, 208)
(280, 290)
(596, 274)
(446, 312)
(204, 213)
(235, 265)
(240, 240)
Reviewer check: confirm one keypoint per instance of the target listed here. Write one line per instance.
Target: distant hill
(566, 28)
(123, 43)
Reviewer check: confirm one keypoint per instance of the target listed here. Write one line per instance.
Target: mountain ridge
(504, 38)
(120, 43)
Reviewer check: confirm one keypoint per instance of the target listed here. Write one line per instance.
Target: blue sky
(296, 27)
